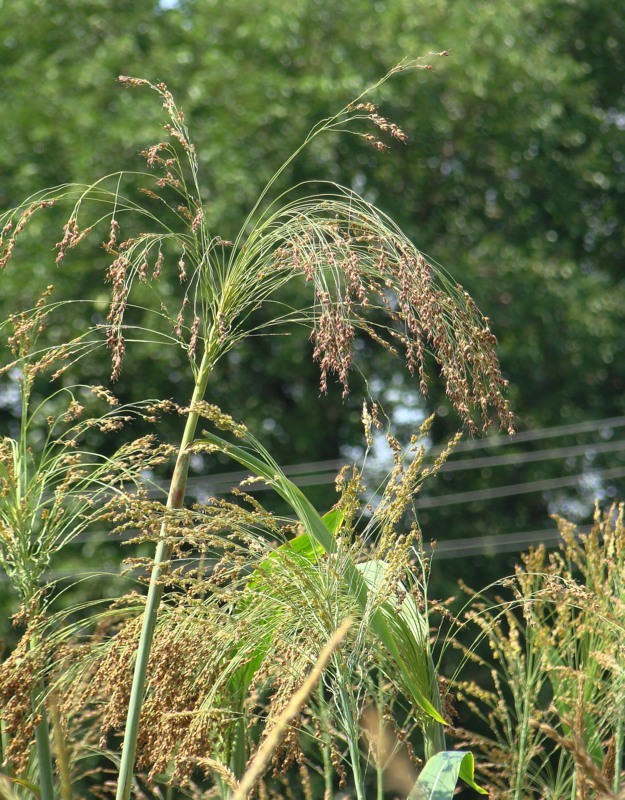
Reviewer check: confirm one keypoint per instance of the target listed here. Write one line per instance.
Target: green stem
(523, 734)
(4, 741)
(354, 754)
(352, 732)
(433, 730)
(61, 753)
(618, 756)
(42, 745)
(42, 737)
(238, 758)
(175, 500)
(380, 745)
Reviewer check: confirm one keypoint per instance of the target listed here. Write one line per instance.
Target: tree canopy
(513, 177)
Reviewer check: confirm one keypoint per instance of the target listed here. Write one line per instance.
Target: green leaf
(303, 547)
(408, 631)
(388, 631)
(7, 794)
(333, 519)
(439, 777)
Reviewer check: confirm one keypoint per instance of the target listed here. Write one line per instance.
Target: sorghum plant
(554, 703)
(361, 273)
(51, 492)
(233, 645)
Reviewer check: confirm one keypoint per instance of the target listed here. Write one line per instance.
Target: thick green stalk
(434, 731)
(354, 754)
(353, 737)
(42, 729)
(44, 752)
(4, 741)
(380, 746)
(61, 753)
(42, 738)
(175, 500)
(523, 734)
(238, 759)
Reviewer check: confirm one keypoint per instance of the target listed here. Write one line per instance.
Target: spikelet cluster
(359, 265)
(364, 275)
(553, 672)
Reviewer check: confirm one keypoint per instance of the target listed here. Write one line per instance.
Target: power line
(222, 482)
(515, 489)
(495, 544)
(512, 459)
(422, 502)
(552, 432)
(317, 473)
(322, 472)
(444, 550)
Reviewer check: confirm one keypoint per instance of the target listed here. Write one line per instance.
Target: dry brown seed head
(128, 81)
(195, 330)
(113, 234)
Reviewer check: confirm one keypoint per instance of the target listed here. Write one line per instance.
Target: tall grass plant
(219, 648)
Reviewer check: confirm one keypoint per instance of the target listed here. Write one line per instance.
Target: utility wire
(512, 459)
(472, 496)
(321, 472)
(552, 432)
(317, 474)
(516, 489)
(213, 485)
(495, 544)
(324, 472)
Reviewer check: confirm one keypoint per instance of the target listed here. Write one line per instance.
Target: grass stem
(61, 753)
(42, 737)
(618, 756)
(325, 745)
(175, 500)
(44, 752)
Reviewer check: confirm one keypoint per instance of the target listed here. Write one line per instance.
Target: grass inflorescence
(235, 671)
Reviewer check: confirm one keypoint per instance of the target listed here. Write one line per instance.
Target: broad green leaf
(409, 631)
(388, 630)
(302, 546)
(439, 777)
(333, 519)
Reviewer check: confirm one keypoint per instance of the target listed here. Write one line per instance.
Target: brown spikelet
(117, 273)
(14, 229)
(128, 81)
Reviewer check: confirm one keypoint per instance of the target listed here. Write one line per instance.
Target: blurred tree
(513, 177)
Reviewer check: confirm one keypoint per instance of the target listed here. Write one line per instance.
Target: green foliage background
(513, 178)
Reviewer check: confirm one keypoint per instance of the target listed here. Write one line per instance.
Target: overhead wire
(323, 472)
(495, 543)
(543, 485)
(304, 474)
